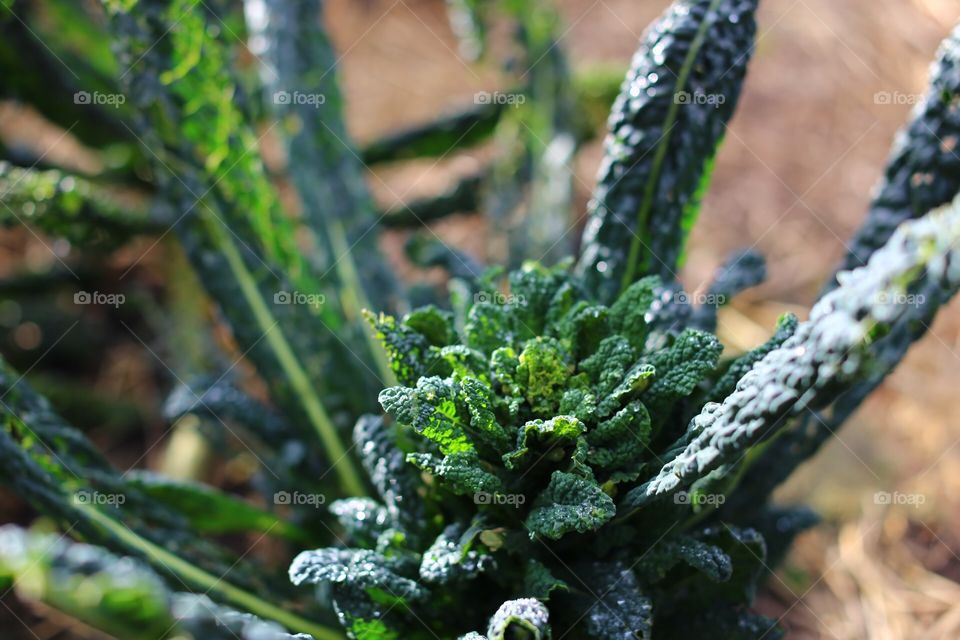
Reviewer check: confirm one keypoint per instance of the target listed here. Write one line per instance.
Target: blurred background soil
(793, 180)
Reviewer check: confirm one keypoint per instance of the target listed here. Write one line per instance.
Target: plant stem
(340, 460)
(209, 583)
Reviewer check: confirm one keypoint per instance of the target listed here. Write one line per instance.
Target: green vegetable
(562, 454)
(665, 128)
(121, 596)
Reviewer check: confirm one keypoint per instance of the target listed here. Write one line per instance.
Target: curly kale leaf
(542, 372)
(708, 559)
(569, 503)
(461, 472)
(431, 409)
(727, 383)
(395, 481)
(679, 368)
(361, 569)
(617, 609)
(825, 356)
(541, 438)
(451, 557)
(362, 519)
(923, 171)
(622, 439)
(120, 595)
(539, 582)
(410, 352)
(608, 365)
(628, 313)
(665, 127)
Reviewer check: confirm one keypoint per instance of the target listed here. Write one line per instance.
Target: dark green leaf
(665, 127)
(569, 503)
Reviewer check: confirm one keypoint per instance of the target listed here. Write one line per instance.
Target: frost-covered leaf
(460, 472)
(362, 519)
(523, 618)
(362, 569)
(569, 503)
(708, 559)
(923, 171)
(394, 480)
(824, 356)
(452, 558)
(616, 607)
(727, 383)
(122, 596)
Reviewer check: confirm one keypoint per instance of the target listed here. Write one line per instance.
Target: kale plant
(555, 449)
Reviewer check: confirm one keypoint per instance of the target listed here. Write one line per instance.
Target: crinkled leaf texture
(665, 127)
(570, 503)
(826, 354)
